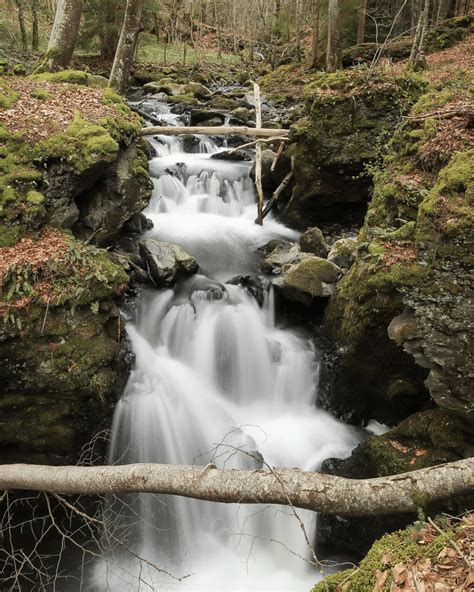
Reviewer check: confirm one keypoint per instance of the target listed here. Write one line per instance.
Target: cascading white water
(216, 380)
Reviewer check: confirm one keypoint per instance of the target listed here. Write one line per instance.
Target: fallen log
(215, 131)
(313, 491)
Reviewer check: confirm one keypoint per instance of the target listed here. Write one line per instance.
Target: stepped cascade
(216, 380)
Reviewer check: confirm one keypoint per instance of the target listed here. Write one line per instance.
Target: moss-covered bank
(72, 168)
(350, 114)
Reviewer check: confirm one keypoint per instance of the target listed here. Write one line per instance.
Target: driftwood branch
(259, 141)
(258, 156)
(216, 131)
(276, 195)
(313, 491)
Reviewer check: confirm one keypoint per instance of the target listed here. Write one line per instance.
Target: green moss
(399, 547)
(8, 97)
(82, 144)
(65, 76)
(41, 93)
(34, 197)
(183, 99)
(335, 582)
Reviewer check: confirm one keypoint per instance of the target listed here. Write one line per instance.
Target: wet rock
(273, 244)
(232, 155)
(167, 261)
(124, 190)
(138, 224)
(165, 85)
(243, 115)
(282, 254)
(313, 277)
(268, 181)
(343, 252)
(253, 284)
(203, 116)
(198, 90)
(213, 122)
(313, 241)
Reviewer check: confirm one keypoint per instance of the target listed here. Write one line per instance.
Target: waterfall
(215, 380)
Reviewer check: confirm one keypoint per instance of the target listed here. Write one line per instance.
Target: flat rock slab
(167, 261)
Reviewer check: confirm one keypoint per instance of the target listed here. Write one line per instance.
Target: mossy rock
(64, 76)
(417, 542)
(349, 118)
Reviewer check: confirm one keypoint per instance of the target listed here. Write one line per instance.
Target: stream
(218, 380)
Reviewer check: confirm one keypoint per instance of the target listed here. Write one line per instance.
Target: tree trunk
(265, 132)
(218, 30)
(62, 40)
(333, 52)
(443, 8)
(417, 55)
(315, 39)
(35, 25)
(126, 46)
(21, 23)
(362, 18)
(313, 491)
(299, 17)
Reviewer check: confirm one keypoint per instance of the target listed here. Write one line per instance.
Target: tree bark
(333, 52)
(126, 46)
(35, 25)
(402, 493)
(417, 57)
(299, 17)
(216, 131)
(62, 40)
(443, 8)
(315, 39)
(362, 18)
(21, 23)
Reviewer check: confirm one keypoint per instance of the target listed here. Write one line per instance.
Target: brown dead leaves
(38, 119)
(33, 253)
(397, 252)
(451, 571)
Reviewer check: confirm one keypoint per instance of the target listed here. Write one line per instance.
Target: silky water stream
(215, 380)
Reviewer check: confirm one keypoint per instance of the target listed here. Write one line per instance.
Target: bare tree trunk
(21, 23)
(415, 17)
(313, 491)
(315, 39)
(299, 15)
(443, 8)
(417, 55)
(265, 132)
(35, 25)
(362, 19)
(62, 40)
(126, 46)
(333, 52)
(258, 155)
(218, 30)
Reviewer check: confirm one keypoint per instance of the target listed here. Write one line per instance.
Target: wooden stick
(258, 155)
(277, 156)
(263, 141)
(216, 131)
(278, 191)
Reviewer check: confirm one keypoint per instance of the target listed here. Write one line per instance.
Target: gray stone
(167, 261)
(313, 241)
(343, 252)
(283, 254)
(309, 278)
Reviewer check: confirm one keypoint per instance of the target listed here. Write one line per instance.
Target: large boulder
(312, 277)
(280, 254)
(337, 138)
(167, 261)
(406, 305)
(313, 241)
(343, 252)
